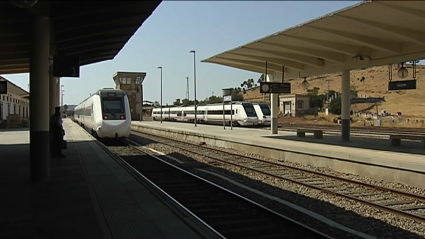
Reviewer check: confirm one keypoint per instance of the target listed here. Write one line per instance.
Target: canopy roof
(14, 89)
(367, 34)
(93, 30)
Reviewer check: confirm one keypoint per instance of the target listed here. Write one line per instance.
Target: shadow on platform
(58, 208)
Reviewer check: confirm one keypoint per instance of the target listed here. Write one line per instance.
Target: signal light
(105, 117)
(122, 117)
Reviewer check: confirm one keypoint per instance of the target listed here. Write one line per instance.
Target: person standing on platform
(56, 134)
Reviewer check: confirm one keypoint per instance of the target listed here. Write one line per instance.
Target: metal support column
(52, 91)
(58, 91)
(39, 98)
(274, 107)
(345, 105)
(141, 101)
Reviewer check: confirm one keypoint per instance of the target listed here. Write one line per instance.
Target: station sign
(275, 87)
(402, 85)
(227, 98)
(66, 66)
(3, 87)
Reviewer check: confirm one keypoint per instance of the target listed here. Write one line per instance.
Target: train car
(240, 113)
(263, 113)
(106, 114)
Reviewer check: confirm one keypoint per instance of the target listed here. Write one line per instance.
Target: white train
(106, 114)
(263, 113)
(243, 114)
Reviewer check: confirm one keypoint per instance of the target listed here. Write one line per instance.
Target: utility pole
(327, 94)
(187, 88)
(62, 96)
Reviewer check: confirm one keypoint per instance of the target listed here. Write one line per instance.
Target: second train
(240, 113)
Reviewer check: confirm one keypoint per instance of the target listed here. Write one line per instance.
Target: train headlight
(122, 117)
(105, 117)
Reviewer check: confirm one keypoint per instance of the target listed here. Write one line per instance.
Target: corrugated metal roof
(367, 34)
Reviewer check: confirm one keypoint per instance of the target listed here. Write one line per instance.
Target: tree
(236, 94)
(335, 106)
(237, 97)
(156, 104)
(248, 84)
(65, 107)
(316, 99)
(361, 79)
(177, 103)
(213, 100)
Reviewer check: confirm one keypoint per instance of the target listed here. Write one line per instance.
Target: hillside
(409, 102)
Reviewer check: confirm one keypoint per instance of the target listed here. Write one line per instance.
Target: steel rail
(388, 209)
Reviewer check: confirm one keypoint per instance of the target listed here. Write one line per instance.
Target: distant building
(14, 102)
(295, 105)
(131, 83)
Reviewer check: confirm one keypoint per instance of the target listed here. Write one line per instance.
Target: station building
(132, 84)
(296, 105)
(14, 103)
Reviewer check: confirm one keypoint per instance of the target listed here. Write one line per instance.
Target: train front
(251, 116)
(266, 119)
(116, 118)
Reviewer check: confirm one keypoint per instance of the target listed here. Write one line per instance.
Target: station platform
(371, 157)
(89, 195)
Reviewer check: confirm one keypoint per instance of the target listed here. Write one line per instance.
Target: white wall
(17, 104)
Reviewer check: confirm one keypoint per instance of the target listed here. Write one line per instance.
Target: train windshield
(112, 103)
(113, 106)
(265, 109)
(249, 109)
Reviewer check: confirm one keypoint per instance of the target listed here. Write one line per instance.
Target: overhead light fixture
(402, 72)
(305, 84)
(361, 58)
(24, 3)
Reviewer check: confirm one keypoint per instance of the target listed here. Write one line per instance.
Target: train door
(181, 112)
(206, 114)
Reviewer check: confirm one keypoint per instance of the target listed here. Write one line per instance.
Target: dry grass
(409, 102)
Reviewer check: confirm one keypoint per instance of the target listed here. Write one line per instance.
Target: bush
(335, 106)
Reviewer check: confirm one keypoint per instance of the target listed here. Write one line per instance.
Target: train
(239, 113)
(105, 114)
(263, 113)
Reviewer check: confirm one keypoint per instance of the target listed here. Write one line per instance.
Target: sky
(175, 28)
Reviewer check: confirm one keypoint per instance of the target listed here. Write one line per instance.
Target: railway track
(229, 214)
(397, 202)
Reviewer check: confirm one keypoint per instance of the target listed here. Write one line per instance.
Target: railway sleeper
(411, 207)
(391, 203)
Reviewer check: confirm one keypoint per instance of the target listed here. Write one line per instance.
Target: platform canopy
(367, 34)
(93, 30)
(14, 89)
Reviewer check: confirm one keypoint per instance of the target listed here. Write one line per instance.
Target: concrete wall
(13, 104)
(133, 93)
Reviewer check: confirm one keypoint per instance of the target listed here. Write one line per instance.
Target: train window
(249, 110)
(265, 109)
(112, 106)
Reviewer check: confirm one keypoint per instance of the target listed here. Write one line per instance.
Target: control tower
(132, 84)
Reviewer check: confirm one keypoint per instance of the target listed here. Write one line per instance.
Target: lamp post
(187, 88)
(194, 79)
(141, 101)
(62, 96)
(160, 67)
